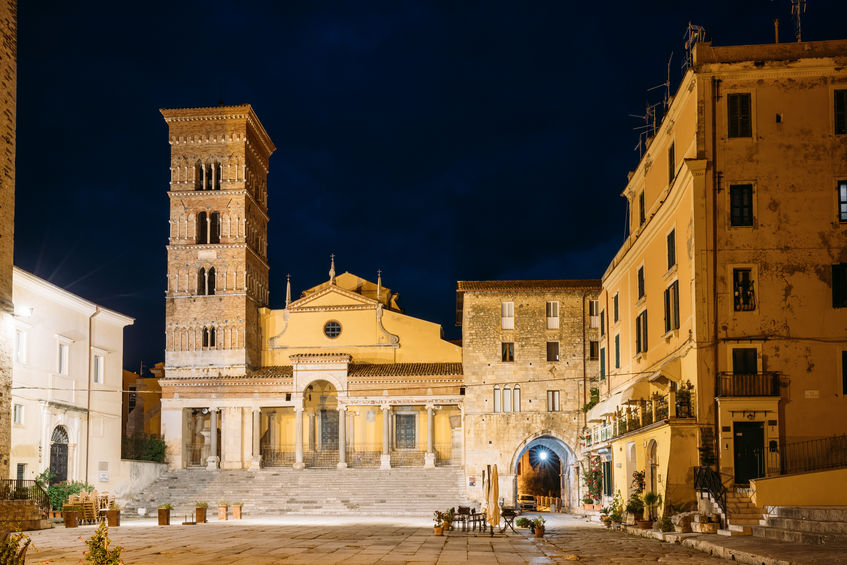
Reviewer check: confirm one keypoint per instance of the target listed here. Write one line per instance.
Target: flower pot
(644, 524)
(164, 516)
(607, 523)
(71, 518)
(200, 515)
(588, 507)
(113, 517)
(236, 512)
(598, 507)
(539, 531)
(222, 512)
(438, 530)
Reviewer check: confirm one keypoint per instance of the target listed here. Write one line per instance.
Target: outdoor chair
(463, 515)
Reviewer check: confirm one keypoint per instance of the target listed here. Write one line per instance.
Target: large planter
(588, 507)
(113, 517)
(222, 512)
(236, 512)
(598, 507)
(71, 518)
(644, 524)
(438, 530)
(164, 516)
(539, 531)
(200, 515)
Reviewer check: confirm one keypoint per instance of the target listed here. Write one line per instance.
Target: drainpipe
(88, 381)
(584, 372)
(715, 183)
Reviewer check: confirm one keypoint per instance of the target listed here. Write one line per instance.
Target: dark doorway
(749, 451)
(405, 424)
(329, 429)
(59, 455)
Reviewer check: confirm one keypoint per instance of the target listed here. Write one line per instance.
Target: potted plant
(651, 501)
(200, 512)
(236, 510)
(683, 399)
(223, 507)
(165, 514)
(616, 509)
(635, 507)
(638, 481)
(113, 515)
(448, 518)
(71, 516)
(438, 528)
(522, 522)
(587, 503)
(537, 526)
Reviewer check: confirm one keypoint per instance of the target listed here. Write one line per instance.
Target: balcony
(754, 384)
(636, 416)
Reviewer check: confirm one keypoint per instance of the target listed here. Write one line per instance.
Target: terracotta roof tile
(274, 371)
(492, 286)
(404, 369)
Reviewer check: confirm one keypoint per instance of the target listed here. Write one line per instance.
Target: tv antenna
(798, 8)
(666, 84)
(646, 131)
(694, 34)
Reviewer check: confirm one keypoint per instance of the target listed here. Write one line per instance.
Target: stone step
(811, 526)
(818, 513)
(792, 536)
(745, 521)
(736, 531)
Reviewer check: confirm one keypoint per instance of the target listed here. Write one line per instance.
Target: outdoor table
(508, 515)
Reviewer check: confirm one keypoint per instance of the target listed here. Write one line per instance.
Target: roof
(377, 370)
(532, 285)
(705, 53)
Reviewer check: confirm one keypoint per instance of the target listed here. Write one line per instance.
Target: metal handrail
(15, 489)
(707, 480)
(810, 455)
(752, 384)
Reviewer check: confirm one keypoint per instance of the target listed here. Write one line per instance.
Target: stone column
(232, 437)
(429, 458)
(212, 461)
(342, 436)
(256, 462)
(385, 459)
(312, 431)
(298, 440)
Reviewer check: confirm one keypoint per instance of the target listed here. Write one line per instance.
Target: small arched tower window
(507, 399)
(202, 228)
(210, 282)
(215, 227)
(201, 281)
(213, 342)
(217, 170)
(205, 337)
(198, 175)
(496, 398)
(516, 402)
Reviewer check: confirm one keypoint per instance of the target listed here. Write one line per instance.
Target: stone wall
(8, 114)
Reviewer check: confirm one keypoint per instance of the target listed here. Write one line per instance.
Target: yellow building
(142, 407)
(737, 251)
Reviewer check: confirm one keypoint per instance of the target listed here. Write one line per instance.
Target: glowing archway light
(542, 455)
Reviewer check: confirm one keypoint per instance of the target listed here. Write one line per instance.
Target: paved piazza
(359, 540)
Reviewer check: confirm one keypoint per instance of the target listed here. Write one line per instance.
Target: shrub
(166, 506)
(142, 447)
(12, 545)
(98, 548)
(522, 522)
(665, 525)
(201, 505)
(58, 493)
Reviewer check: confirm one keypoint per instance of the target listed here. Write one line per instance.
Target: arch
(215, 227)
(507, 398)
(516, 401)
(198, 175)
(652, 466)
(59, 454)
(330, 379)
(210, 282)
(202, 228)
(201, 281)
(566, 456)
(496, 407)
(60, 435)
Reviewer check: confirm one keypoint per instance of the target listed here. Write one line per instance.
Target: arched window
(201, 281)
(205, 337)
(217, 170)
(210, 282)
(215, 227)
(213, 342)
(516, 394)
(507, 399)
(198, 175)
(496, 398)
(202, 228)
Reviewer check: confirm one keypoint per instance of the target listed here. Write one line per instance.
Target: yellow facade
(722, 342)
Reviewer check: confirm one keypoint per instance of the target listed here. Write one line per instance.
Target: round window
(332, 329)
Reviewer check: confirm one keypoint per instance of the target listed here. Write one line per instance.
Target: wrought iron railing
(811, 455)
(754, 384)
(20, 489)
(279, 456)
(709, 481)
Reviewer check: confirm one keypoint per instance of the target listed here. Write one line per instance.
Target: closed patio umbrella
(493, 513)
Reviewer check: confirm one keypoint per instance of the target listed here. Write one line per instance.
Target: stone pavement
(365, 541)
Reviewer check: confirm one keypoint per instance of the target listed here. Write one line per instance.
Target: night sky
(437, 141)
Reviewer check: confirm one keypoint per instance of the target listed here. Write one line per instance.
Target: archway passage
(59, 455)
(320, 402)
(543, 469)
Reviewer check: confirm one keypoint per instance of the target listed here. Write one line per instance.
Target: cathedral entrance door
(329, 430)
(59, 455)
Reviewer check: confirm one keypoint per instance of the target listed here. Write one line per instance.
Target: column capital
(431, 406)
(341, 408)
(385, 406)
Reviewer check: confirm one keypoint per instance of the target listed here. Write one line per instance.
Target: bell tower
(217, 247)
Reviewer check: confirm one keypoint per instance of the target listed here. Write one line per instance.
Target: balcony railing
(635, 417)
(14, 489)
(811, 455)
(755, 384)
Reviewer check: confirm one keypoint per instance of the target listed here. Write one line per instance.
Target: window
(508, 351)
(207, 176)
(840, 112)
(552, 400)
(744, 361)
(210, 282)
(406, 437)
(593, 349)
(21, 471)
(615, 309)
(332, 329)
(641, 332)
(741, 205)
(64, 352)
(18, 414)
(593, 307)
(672, 307)
(202, 228)
(602, 322)
(507, 399)
(552, 315)
(209, 338)
(507, 315)
(671, 249)
(671, 164)
(496, 398)
(215, 227)
(552, 351)
(839, 285)
(640, 282)
(618, 351)
(201, 281)
(742, 290)
(842, 199)
(641, 211)
(20, 346)
(99, 369)
(739, 115)
(602, 363)
(516, 394)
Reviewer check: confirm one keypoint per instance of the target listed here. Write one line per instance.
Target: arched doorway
(320, 403)
(59, 455)
(651, 484)
(542, 467)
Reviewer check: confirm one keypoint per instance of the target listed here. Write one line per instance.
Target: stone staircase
(805, 524)
(277, 491)
(741, 514)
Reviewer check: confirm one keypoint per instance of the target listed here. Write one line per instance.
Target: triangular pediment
(332, 296)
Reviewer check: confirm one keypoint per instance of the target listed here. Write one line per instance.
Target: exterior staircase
(741, 514)
(278, 491)
(805, 524)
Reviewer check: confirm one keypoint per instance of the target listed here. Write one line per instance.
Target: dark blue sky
(437, 141)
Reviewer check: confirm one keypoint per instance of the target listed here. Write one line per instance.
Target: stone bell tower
(217, 247)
